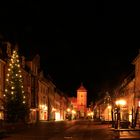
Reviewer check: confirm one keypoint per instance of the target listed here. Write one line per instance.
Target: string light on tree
(16, 106)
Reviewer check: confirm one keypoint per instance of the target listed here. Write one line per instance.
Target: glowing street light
(68, 109)
(73, 112)
(119, 104)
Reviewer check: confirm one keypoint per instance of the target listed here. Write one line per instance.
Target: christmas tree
(16, 106)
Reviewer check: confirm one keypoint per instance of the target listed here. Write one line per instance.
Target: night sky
(94, 49)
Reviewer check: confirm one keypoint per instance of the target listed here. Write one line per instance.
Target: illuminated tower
(82, 100)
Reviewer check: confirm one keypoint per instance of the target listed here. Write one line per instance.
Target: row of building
(46, 101)
(126, 98)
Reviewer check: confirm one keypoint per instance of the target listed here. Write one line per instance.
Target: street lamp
(119, 103)
(69, 111)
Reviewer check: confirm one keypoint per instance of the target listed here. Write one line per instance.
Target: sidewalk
(125, 134)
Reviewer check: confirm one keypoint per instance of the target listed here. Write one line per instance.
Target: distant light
(120, 102)
(68, 109)
(139, 103)
(109, 107)
(73, 112)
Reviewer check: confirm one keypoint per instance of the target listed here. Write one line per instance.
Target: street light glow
(121, 102)
(68, 109)
(73, 112)
(109, 107)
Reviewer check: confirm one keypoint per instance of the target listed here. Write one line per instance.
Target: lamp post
(119, 104)
(69, 113)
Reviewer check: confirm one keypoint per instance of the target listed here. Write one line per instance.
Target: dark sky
(94, 48)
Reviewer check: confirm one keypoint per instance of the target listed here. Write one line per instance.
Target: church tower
(82, 101)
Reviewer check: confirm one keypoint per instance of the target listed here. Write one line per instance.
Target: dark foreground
(72, 130)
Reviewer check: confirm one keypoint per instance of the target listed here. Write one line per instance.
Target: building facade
(81, 101)
(44, 100)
